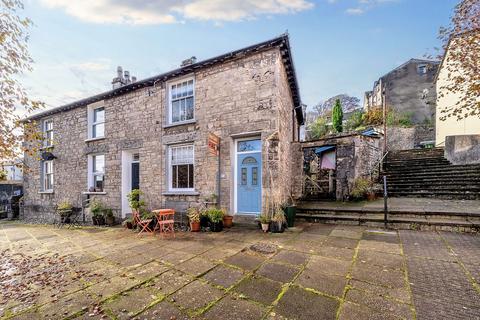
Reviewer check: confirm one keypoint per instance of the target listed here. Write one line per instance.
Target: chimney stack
(189, 61)
(122, 78)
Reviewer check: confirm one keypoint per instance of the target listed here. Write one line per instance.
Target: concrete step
(427, 172)
(429, 187)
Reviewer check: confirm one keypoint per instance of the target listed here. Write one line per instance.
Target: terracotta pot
(195, 226)
(265, 227)
(371, 196)
(110, 221)
(227, 221)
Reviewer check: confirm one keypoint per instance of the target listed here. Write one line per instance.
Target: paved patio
(313, 271)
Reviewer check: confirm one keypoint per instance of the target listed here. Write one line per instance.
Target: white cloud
(366, 5)
(355, 11)
(143, 12)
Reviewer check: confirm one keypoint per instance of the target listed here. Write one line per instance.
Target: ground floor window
(96, 173)
(47, 175)
(181, 168)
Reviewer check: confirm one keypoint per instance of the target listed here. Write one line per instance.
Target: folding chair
(142, 223)
(165, 221)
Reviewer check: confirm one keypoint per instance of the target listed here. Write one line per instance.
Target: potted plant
(227, 219)
(109, 217)
(148, 215)
(265, 222)
(96, 208)
(134, 200)
(194, 218)
(204, 220)
(64, 210)
(363, 188)
(216, 219)
(277, 225)
(128, 223)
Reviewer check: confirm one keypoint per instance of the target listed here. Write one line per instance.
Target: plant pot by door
(290, 213)
(371, 196)
(110, 221)
(98, 220)
(204, 221)
(276, 227)
(195, 226)
(227, 221)
(265, 227)
(216, 226)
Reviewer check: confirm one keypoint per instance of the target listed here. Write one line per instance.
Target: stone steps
(426, 173)
(396, 219)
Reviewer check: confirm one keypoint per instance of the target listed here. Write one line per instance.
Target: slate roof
(282, 42)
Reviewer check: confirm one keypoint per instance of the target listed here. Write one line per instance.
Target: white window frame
(91, 117)
(92, 174)
(47, 142)
(170, 100)
(45, 175)
(170, 165)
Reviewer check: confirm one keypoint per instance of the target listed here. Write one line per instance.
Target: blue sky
(339, 46)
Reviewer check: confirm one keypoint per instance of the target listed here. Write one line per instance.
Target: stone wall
(399, 138)
(239, 98)
(356, 155)
(464, 149)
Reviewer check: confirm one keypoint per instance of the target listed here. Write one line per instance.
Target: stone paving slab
(314, 272)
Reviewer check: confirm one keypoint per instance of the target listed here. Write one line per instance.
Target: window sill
(46, 148)
(176, 124)
(93, 192)
(94, 139)
(46, 192)
(181, 193)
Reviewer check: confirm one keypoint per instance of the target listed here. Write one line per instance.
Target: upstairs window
(422, 69)
(181, 165)
(96, 173)
(47, 176)
(181, 101)
(48, 133)
(96, 122)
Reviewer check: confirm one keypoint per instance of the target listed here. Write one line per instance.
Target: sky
(338, 46)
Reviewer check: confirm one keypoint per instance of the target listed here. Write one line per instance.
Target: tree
(318, 128)
(337, 116)
(461, 45)
(348, 103)
(14, 101)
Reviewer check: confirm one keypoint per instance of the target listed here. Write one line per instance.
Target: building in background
(12, 169)
(409, 90)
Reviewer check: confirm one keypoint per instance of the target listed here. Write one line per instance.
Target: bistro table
(165, 221)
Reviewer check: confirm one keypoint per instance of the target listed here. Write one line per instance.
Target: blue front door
(249, 182)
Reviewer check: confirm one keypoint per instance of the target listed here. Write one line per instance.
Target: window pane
(48, 125)
(98, 130)
(182, 176)
(250, 145)
(175, 111)
(49, 182)
(99, 163)
(244, 176)
(190, 176)
(254, 176)
(190, 88)
(99, 115)
(174, 92)
(98, 182)
(189, 108)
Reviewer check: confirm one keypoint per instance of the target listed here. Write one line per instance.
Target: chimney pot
(134, 78)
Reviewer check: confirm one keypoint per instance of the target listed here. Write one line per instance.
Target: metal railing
(377, 165)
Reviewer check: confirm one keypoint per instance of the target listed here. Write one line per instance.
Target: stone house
(159, 135)
(409, 88)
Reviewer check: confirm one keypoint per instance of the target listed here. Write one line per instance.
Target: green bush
(215, 215)
(361, 186)
(134, 200)
(355, 121)
(319, 128)
(96, 207)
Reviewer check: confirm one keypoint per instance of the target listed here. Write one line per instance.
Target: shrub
(355, 121)
(215, 215)
(319, 128)
(373, 117)
(96, 207)
(134, 200)
(264, 218)
(361, 186)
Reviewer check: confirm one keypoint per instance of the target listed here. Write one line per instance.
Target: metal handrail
(377, 164)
